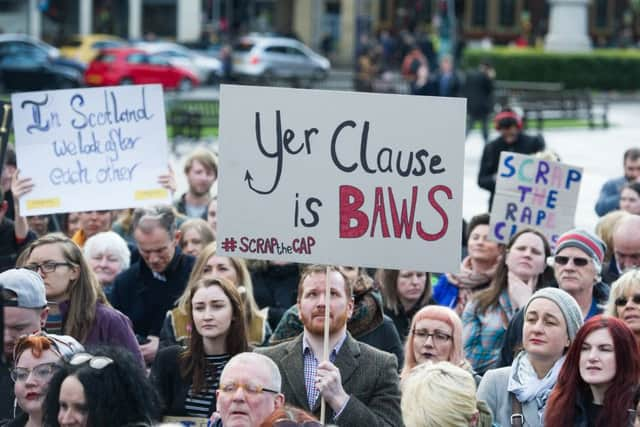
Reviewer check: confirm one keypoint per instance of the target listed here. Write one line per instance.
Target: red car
(134, 66)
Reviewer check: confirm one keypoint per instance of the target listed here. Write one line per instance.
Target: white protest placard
(341, 178)
(91, 149)
(536, 193)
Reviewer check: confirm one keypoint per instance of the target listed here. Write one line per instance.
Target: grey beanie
(567, 304)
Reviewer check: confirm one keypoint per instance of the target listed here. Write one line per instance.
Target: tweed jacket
(369, 376)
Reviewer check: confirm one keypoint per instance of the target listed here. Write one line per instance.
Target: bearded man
(359, 383)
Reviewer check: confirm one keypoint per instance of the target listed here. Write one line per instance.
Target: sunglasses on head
(577, 261)
(622, 301)
(95, 362)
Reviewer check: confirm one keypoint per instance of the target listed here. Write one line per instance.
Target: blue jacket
(609, 199)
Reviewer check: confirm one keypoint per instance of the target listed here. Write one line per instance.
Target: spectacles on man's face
(96, 362)
(438, 337)
(42, 372)
(577, 261)
(622, 301)
(46, 267)
(291, 423)
(252, 389)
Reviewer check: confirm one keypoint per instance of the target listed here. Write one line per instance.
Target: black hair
(480, 219)
(118, 394)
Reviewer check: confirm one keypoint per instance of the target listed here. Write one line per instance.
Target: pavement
(598, 151)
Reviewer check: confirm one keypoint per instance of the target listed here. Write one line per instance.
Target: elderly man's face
(241, 408)
(626, 247)
(574, 270)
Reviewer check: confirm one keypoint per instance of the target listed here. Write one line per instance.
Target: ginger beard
(315, 323)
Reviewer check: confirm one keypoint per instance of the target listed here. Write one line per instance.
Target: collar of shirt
(334, 352)
(159, 276)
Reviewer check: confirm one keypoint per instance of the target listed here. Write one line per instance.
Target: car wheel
(319, 75)
(268, 78)
(185, 85)
(126, 81)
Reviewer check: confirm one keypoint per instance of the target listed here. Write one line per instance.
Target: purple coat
(110, 327)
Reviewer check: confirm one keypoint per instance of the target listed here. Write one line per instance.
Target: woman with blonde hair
(439, 395)
(624, 300)
(77, 304)
(176, 327)
(435, 336)
(195, 234)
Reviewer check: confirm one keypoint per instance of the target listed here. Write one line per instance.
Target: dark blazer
(369, 376)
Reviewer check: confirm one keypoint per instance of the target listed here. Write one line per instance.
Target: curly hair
(116, 395)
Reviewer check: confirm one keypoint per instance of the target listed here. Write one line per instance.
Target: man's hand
(150, 349)
(168, 181)
(329, 382)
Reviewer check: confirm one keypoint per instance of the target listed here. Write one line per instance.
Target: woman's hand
(520, 291)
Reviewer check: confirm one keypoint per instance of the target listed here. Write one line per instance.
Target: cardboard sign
(536, 193)
(91, 149)
(341, 178)
(188, 421)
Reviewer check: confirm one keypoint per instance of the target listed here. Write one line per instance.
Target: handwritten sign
(91, 149)
(188, 421)
(341, 178)
(536, 193)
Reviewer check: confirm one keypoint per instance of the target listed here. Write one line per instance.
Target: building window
(507, 13)
(601, 14)
(479, 13)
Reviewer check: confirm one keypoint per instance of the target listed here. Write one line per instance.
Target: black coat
(489, 163)
(145, 299)
(478, 88)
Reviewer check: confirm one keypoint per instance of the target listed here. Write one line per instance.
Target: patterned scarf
(469, 278)
(526, 385)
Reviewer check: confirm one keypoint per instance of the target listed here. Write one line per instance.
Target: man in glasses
(626, 248)
(577, 264)
(249, 390)
(359, 383)
(25, 312)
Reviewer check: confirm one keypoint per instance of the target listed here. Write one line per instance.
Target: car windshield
(105, 57)
(243, 47)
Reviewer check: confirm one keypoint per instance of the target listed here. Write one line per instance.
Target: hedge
(600, 69)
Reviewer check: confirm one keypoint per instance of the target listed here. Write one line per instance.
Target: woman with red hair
(598, 382)
(435, 335)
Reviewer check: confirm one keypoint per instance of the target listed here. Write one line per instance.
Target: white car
(265, 59)
(208, 69)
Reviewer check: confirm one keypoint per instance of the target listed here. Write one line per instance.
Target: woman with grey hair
(107, 254)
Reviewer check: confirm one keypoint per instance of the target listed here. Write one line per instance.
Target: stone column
(189, 24)
(35, 19)
(135, 19)
(86, 16)
(347, 42)
(568, 26)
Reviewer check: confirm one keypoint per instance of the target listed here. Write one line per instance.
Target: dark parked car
(27, 64)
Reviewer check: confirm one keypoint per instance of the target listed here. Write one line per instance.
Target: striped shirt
(199, 404)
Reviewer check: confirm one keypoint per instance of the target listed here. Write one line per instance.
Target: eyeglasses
(96, 362)
(253, 389)
(438, 337)
(577, 261)
(46, 267)
(291, 423)
(622, 301)
(42, 372)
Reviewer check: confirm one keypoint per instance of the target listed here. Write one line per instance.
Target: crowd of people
(123, 318)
